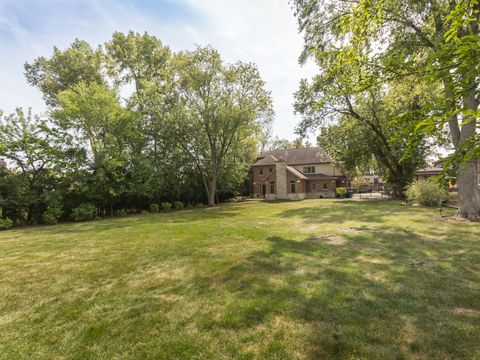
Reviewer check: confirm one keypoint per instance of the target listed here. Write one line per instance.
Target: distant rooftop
(312, 155)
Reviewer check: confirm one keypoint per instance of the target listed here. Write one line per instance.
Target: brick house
(295, 174)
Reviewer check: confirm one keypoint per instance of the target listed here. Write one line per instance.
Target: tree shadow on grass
(367, 210)
(185, 216)
(370, 301)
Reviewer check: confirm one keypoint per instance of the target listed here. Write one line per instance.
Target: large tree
(218, 107)
(40, 155)
(367, 130)
(435, 41)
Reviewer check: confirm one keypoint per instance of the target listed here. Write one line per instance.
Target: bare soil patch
(328, 239)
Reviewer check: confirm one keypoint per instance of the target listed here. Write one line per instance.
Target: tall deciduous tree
(435, 41)
(39, 155)
(218, 106)
(65, 69)
(370, 125)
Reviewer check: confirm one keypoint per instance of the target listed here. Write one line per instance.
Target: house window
(270, 170)
(309, 169)
(324, 186)
(292, 187)
(261, 171)
(272, 187)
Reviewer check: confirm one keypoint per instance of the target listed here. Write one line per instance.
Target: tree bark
(467, 180)
(212, 188)
(468, 191)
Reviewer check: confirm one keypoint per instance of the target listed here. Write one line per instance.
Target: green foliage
(363, 46)
(120, 153)
(166, 206)
(154, 208)
(177, 205)
(6, 222)
(65, 69)
(426, 192)
(341, 192)
(223, 105)
(121, 213)
(85, 211)
(52, 214)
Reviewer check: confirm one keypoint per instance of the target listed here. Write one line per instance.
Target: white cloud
(260, 31)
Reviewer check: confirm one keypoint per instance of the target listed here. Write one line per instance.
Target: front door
(264, 190)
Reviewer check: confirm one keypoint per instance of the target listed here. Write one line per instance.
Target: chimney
(281, 178)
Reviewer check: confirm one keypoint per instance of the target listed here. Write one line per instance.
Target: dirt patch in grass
(328, 239)
(454, 218)
(466, 312)
(421, 262)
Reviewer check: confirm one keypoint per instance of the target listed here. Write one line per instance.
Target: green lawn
(316, 279)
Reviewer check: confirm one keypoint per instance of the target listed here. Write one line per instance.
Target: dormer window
(309, 169)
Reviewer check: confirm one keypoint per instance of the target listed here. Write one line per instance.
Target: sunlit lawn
(316, 279)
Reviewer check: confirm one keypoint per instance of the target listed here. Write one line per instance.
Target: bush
(177, 205)
(199, 205)
(121, 212)
(85, 211)
(154, 208)
(5, 223)
(165, 206)
(51, 215)
(426, 192)
(341, 192)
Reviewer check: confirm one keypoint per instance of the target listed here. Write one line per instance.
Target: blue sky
(260, 31)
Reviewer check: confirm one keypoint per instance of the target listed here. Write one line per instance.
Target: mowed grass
(316, 279)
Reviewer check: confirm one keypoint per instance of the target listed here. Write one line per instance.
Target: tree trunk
(467, 181)
(212, 188)
(468, 192)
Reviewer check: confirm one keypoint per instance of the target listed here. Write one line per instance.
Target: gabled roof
(267, 160)
(313, 155)
(295, 172)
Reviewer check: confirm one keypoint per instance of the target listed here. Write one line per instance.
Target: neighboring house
(368, 182)
(427, 172)
(437, 169)
(295, 174)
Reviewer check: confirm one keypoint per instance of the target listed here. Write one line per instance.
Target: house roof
(429, 170)
(321, 177)
(297, 173)
(313, 155)
(267, 160)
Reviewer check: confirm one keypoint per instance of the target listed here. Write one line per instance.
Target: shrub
(199, 205)
(52, 214)
(121, 212)
(5, 223)
(165, 206)
(177, 205)
(426, 192)
(154, 208)
(85, 211)
(341, 192)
